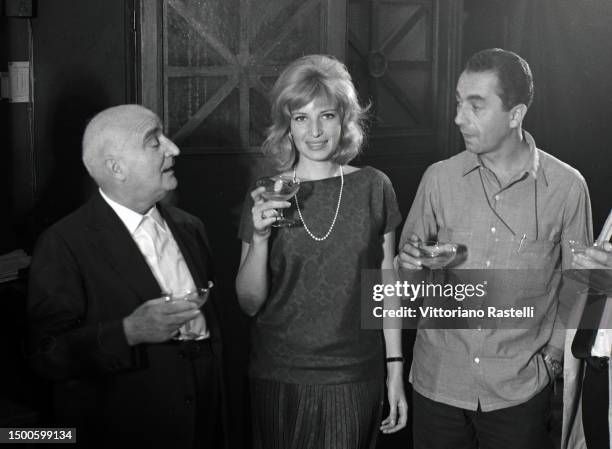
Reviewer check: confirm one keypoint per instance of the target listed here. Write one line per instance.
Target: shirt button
(488, 263)
(497, 197)
(493, 230)
(476, 360)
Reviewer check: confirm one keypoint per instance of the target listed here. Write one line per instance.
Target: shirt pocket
(536, 262)
(537, 255)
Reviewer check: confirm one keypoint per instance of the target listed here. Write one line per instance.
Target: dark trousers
(209, 424)
(101, 431)
(595, 404)
(441, 426)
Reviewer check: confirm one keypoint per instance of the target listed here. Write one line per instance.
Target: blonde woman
(316, 376)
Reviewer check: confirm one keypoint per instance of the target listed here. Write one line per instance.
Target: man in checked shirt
(512, 206)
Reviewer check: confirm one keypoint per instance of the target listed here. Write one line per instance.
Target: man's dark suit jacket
(87, 274)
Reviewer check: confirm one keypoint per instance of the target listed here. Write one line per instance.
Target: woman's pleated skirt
(295, 416)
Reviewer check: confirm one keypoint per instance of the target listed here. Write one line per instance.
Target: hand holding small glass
(157, 320)
(265, 212)
(436, 255)
(198, 296)
(417, 253)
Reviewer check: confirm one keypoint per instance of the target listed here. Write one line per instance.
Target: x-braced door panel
(208, 65)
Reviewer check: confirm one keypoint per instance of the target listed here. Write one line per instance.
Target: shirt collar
(130, 218)
(532, 167)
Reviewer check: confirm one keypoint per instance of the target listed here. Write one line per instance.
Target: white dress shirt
(172, 274)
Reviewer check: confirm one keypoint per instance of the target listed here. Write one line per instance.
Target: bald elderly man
(124, 369)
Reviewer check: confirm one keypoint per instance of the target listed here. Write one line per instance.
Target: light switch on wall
(19, 81)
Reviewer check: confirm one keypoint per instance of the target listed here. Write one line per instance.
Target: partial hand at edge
(594, 258)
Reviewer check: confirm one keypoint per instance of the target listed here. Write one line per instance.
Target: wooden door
(207, 65)
(403, 55)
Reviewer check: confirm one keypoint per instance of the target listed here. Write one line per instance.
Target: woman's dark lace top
(309, 329)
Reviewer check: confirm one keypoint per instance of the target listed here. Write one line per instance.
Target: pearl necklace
(320, 239)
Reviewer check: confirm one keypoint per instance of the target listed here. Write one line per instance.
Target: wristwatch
(555, 367)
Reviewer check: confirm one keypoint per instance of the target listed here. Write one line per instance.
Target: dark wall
(14, 148)
(568, 44)
(81, 65)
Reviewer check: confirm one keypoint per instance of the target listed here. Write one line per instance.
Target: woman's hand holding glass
(264, 212)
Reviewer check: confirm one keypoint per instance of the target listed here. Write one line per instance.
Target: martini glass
(280, 188)
(198, 296)
(436, 255)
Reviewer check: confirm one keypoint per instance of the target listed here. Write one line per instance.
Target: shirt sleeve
(421, 219)
(577, 220)
(577, 225)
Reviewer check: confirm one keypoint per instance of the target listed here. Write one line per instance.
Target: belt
(193, 348)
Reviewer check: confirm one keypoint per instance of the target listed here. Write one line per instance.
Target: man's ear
(115, 169)
(517, 114)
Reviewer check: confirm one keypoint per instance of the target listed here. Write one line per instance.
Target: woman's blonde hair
(304, 80)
